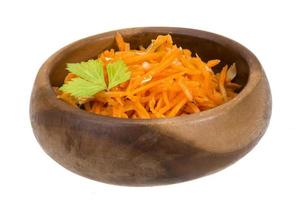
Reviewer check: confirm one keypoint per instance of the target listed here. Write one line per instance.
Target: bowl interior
(91, 47)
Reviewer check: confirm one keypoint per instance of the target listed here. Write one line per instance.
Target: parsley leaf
(117, 73)
(90, 81)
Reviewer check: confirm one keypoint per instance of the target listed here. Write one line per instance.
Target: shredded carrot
(176, 108)
(194, 108)
(120, 42)
(69, 77)
(212, 63)
(166, 81)
(185, 90)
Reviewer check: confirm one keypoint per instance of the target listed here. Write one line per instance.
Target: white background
(30, 31)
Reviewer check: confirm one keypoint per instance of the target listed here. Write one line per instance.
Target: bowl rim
(255, 75)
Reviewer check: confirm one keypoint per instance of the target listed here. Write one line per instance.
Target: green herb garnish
(91, 80)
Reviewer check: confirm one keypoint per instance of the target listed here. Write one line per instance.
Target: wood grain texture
(153, 151)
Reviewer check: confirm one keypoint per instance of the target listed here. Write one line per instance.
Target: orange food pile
(166, 81)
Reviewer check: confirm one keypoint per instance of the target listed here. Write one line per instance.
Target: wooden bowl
(152, 151)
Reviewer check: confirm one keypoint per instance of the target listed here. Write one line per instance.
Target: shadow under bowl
(152, 151)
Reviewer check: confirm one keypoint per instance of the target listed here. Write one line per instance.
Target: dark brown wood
(153, 151)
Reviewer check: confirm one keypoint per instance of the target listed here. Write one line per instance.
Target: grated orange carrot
(176, 108)
(166, 81)
(120, 42)
(212, 63)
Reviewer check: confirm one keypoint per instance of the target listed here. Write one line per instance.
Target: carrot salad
(158, 81)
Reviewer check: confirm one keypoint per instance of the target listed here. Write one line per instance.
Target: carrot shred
(185, 90)
(120, 42)
(141, 111)
(165, 98)
(176, 108)
(212, 63)
(69, 77)
(194, 108)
